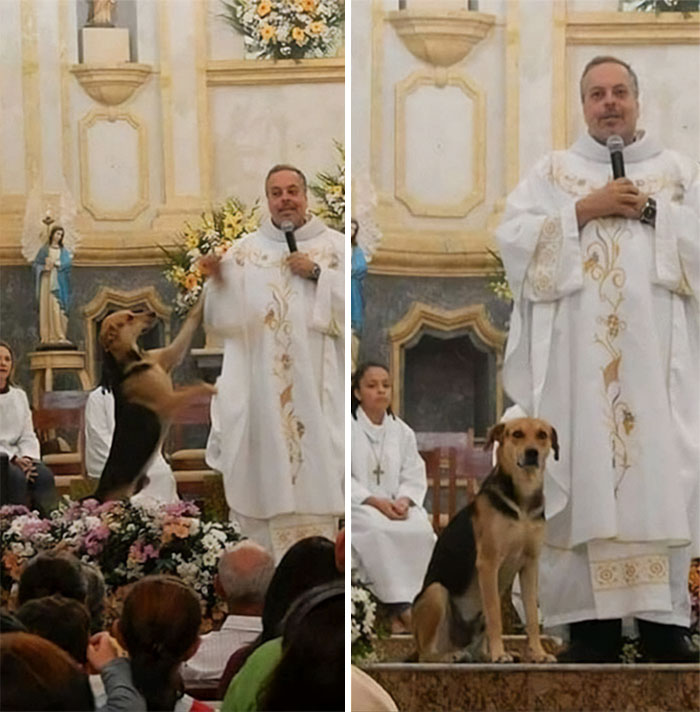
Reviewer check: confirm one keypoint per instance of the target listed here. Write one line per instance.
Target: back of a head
(245, 573)
(159, 625)
(35, 674)
(95, 595)
(48, 573)
(311, 673)
(63, 621)
(310, 562)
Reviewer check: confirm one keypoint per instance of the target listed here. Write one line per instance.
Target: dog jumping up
(457, 614)
(144, 398)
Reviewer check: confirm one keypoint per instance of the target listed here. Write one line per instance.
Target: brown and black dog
(457, 614)
(144, 397)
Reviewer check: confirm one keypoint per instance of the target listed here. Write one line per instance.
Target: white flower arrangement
(363, 618)
(288, 29)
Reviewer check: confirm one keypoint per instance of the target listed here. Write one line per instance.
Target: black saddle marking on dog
(453, 563)
(499, 489)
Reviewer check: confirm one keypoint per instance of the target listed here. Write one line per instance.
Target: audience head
(340, 550)
(63, 621)
(371, 387)
(311, 672)
(244, 573)
(159, 628)
(95, 596)
(9, 623)
(50, 572)
(7, 365)
(310, 562)
(35, 674)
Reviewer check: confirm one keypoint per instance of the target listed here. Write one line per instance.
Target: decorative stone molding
(440, 38)
(423, 318)
(632, 28)
(111, 85)
(232, 72)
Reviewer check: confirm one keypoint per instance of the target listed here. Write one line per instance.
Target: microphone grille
(615, 143)
(287, 226)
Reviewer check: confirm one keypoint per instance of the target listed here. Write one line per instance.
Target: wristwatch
(315, 272)
(648, 216)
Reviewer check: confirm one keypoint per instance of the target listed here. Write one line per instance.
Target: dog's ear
(107, 336)
(555, 442)
(495, 435)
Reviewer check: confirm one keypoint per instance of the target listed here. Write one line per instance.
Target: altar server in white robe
(392, 538)
(277, 420)
(99, 430)
(603, 343)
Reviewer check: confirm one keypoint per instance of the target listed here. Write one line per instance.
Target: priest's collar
(313, 227)
(374, 432)
(641, 149)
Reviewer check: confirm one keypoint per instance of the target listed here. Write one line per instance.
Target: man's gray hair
(285, 167)
(245, 572)
(607, 59)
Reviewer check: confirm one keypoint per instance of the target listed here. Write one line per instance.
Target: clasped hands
(27, 465)
(299, 263)
(391, 508)
(620, 198)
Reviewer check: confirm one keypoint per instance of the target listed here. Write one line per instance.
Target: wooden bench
(455, 465)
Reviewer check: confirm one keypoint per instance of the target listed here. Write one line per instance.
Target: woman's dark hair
(63, 621)
(355, 384)
(50, 572)
(95, 596)
(52, 232)
(311, 672)
(159, 624)
(310, 562)
(35, 674)
(10, 375)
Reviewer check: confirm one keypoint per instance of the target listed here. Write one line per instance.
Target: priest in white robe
(603, 343)
(277, 421)
(392, 537)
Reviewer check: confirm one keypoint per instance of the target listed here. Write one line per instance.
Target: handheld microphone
(287, 227)
(615, 145)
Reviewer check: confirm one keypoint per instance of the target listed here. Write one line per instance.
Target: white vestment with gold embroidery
(278, 417)
(391, 556)
(603, 343)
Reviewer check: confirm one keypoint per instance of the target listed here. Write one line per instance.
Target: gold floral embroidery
(542, 270)
(631, 571)
(277, 320)
(601, 264)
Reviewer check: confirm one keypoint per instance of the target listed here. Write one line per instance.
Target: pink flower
(182, 509)
(140, 553)
(94, 539)
(35, 526)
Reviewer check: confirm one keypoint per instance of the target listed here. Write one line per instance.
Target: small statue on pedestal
(101, 13)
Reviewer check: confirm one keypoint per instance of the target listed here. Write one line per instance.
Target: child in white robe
(392, 538)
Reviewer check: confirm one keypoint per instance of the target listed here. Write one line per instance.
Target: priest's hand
(385, 506)
(301, 265)
(401, 507)
(619, 198)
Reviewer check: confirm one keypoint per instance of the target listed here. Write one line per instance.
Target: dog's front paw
(502, 658)
(540, 656)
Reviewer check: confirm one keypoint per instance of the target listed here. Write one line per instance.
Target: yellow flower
(264, 8)
(316, 28)
(191, 241)
(267, 32)
(308, 5)
(299, 36)
(251, 224)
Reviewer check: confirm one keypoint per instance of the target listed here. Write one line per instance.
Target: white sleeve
(28, 443)
(99, 429)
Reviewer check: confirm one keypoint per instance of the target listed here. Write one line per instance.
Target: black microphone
(287, 227)
(615, 145)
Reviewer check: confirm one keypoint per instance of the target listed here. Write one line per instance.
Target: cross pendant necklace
(377, 471)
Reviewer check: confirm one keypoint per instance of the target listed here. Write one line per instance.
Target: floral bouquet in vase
(329, 190)
(288, 29)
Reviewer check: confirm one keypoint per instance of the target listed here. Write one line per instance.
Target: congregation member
(277, 421)
(392, 537)
(29, 481)
(49, 573)
(99, 430)
(244, 574)
(603, 343)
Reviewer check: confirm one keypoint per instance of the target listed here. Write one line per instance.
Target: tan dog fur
(505, 545)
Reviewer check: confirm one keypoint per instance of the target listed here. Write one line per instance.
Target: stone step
(419, 687)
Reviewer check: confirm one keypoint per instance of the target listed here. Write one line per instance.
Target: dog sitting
(144, 398)
(478, 554)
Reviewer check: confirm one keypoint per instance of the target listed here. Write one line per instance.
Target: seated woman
(392, 538)
(30, 482)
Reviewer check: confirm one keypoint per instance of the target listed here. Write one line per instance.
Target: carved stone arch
(421, 319)
(107, 300)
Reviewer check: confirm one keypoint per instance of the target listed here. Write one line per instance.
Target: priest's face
(610, 104)
(286, 198)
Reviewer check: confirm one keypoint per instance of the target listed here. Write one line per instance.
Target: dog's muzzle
(530, 458)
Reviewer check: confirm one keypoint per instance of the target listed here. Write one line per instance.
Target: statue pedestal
(44, 363)
(105, 45)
